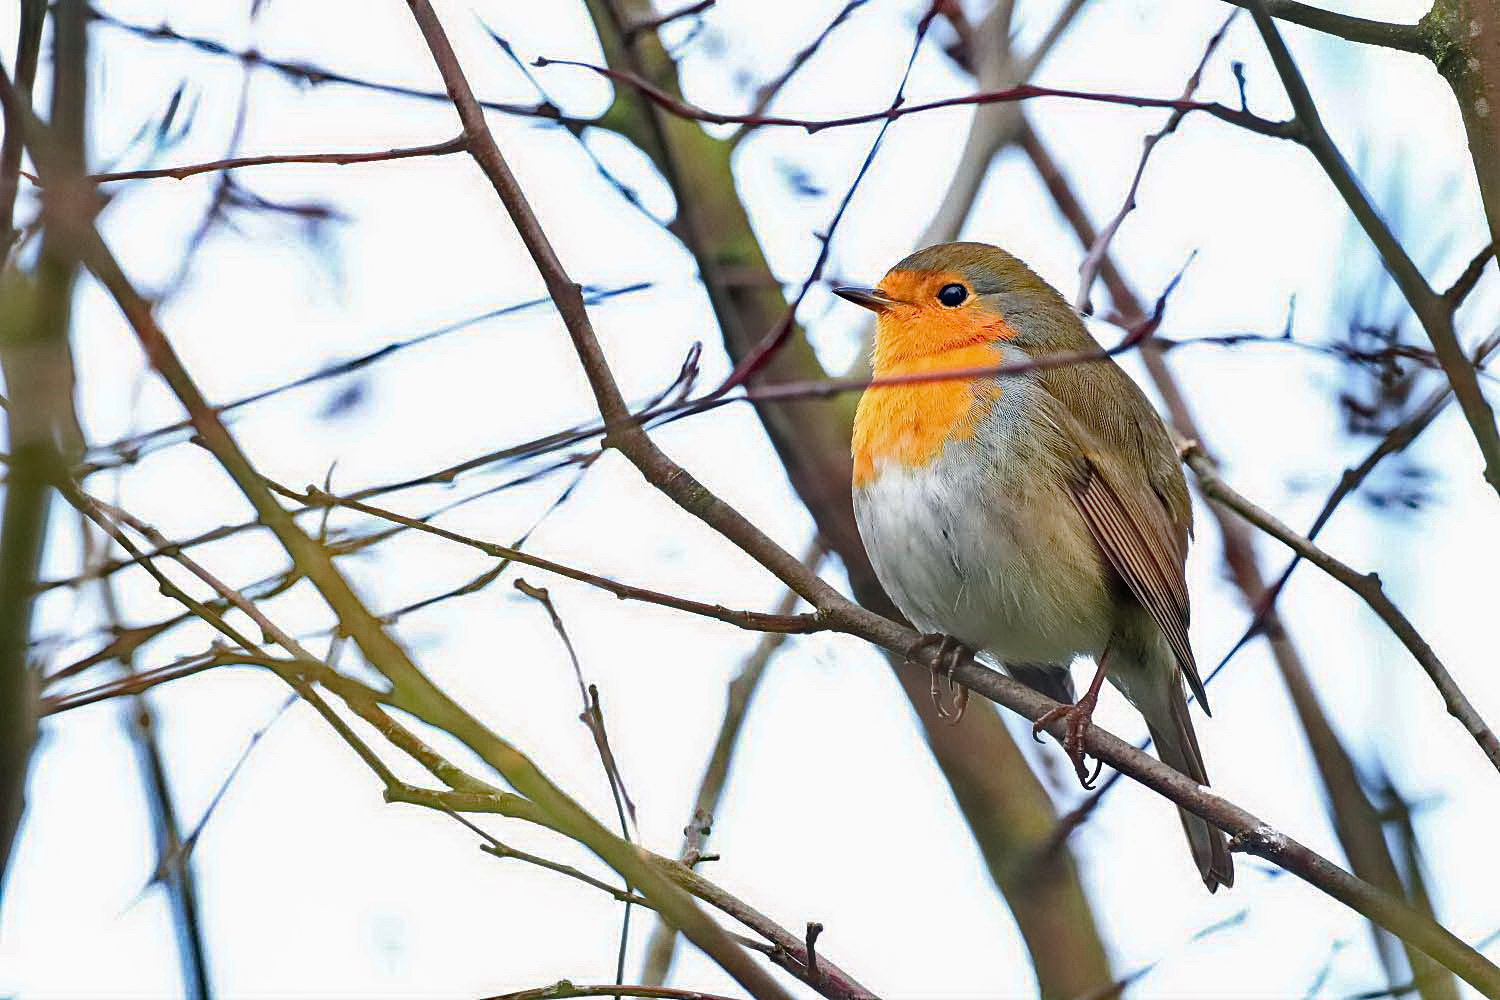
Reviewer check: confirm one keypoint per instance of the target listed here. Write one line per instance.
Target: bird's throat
(911, 423)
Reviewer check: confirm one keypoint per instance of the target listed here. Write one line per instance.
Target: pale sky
(311, 886)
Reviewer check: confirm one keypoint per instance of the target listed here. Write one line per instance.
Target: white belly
(995, 566)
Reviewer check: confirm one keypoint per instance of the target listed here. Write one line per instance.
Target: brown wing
(1137, 506)
(1142, 549)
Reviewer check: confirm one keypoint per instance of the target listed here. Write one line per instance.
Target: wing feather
(1143, 550)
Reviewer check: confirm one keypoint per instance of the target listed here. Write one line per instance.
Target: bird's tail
(1177, 745)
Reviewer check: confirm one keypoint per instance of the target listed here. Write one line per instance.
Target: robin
(1035, 516)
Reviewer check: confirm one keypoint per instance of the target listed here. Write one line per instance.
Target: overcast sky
(836, 812)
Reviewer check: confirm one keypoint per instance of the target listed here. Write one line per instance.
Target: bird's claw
(1078, 718)
(950, 653)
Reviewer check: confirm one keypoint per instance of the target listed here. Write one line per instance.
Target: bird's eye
(952, 295)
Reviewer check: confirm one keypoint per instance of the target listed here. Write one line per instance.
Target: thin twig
(753, 620)
(767, 93)
(1397, 440)
(1468, 278)
(565, 989)
(1023, 92)
(775, 339)
(455, 145)
(592, 717)
(309, 75)
(662, 20)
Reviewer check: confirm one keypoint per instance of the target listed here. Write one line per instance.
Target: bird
(1034, 515)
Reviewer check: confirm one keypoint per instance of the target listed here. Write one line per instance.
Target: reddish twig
(565, 989)
(767, 93)
(309, 75)
(455, 145)
(1024, 92)
(759, 355)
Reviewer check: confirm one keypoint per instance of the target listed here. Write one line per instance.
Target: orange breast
(910, 424)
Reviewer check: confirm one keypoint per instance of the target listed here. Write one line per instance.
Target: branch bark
(1366, 586)
(35, 314)
(1464, 44)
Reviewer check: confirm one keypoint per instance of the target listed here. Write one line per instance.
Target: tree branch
(686, 109)
(455, 145)
(754, 621)
(564, 989)
(1405, 37)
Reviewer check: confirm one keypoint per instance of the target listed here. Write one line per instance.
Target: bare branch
(1405, 37)
(662, 20)
(1465, 282)
(309, 75)
(767, 93)
(455, 145)
(1089, 269)
(752, 620)
(1024, 92)
(565, 989)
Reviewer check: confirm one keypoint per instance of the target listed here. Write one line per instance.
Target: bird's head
(957, 295)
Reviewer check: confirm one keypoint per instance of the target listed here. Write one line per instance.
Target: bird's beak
(871, 298)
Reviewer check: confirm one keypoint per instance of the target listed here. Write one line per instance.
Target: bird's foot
(1077, 718)
(950, 653)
